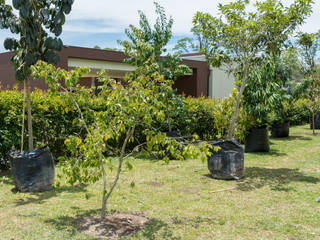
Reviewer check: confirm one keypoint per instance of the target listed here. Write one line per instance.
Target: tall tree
(147, 51)
(238, 38)
(34, 22)
(188, 44)
(309, 48)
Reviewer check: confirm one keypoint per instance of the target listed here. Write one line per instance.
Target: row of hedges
(53, 121)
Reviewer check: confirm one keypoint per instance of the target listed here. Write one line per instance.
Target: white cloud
(119, 14)
(90, 21)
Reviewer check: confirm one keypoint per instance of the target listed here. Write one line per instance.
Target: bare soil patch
(113, 226)
(189, 190)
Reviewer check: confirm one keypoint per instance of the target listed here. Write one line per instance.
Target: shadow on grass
(158, 229)
(293, 138)
(275, 178)
(42, 196)
(155, 230)
(69, 224)
(272, 152)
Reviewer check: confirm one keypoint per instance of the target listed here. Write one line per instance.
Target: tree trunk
(30, 132)
(168, 114)
(313, 127)
(122, 154)
(104, 200)
(235, 114)
(23, 115)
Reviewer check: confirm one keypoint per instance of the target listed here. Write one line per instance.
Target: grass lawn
(275, 200)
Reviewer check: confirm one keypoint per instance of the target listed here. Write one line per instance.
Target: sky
(103, 22)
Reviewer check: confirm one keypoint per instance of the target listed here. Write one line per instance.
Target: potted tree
(260, 98)
(309, 45)
(33, 170)
(237, 39)
(281, 124)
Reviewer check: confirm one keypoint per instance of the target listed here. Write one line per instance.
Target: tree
(128, 107)
(188, 44)
(309, 48)
(146, 47)
(34, 23)
(239, 38)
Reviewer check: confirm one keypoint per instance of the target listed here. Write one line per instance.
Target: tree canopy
(239, 38)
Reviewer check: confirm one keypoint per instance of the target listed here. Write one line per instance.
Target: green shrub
(298, 111)
(53, 123)
(210, 118)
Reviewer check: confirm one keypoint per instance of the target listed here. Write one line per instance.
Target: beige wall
(220, 82)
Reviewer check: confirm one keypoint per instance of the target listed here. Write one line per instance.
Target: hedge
(53, 122)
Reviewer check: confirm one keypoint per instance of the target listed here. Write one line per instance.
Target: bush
(210, 118)
(52, 123)
(298, 111)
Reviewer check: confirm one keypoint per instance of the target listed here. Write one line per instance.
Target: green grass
(275, 200)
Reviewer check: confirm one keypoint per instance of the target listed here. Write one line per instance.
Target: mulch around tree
(113, 226)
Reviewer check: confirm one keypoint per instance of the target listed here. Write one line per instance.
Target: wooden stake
(29, 117)
(23, 115)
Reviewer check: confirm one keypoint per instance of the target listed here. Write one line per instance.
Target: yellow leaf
(106, 137)
(66, 109)
(79, 141)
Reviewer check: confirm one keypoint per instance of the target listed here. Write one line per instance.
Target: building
(220, 83)
(203, 81)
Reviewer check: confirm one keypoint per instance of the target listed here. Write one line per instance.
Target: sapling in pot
(34, 23)
(238, 39)
(309, 47)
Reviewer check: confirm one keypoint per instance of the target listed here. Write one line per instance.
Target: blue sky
(102, 22)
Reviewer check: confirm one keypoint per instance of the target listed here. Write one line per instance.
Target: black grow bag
(257, 140)
(33, 171)
(280, 129)
(316, 121)
(228, 162)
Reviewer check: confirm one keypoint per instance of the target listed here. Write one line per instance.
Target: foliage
(35, 23)
(128, 107)
(146, 47)
(53, 120)
(261, 95)
(210, 118)
(309, 47)
(188, 44)
(238, 38)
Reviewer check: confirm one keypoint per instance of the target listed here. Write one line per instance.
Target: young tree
(127, 108)
(146, 48)
(239, 38)
(35, 21)
(309, 48)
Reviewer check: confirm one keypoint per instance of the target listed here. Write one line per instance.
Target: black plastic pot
(228, 162)
(33, 171)
(316, 121)
(280, 129)
(257, 140)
